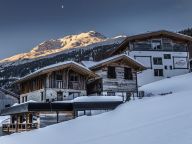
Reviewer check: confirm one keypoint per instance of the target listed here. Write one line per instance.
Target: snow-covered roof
(58, 66)
(98, 99)
(89, 64)
(151, 34)
(93, 65)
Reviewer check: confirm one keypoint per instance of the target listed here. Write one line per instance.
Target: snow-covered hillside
(169, 85)
(3, 118)
(154, 120)
(83, 40)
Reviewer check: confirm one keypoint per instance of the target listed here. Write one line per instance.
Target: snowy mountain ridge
(47, 48)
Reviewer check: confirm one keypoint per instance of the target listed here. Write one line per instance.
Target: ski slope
(154, 120)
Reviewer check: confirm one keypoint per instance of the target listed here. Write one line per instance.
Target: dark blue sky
(26, 23)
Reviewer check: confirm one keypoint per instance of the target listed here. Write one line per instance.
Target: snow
(91, 64)
(56, 65)
(152, 120)
(169, 85)
(2, 119)
(97, 98)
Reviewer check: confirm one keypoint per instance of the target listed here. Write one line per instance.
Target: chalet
(58, 82)
(44, 90)
(164, 53)
(118, 76)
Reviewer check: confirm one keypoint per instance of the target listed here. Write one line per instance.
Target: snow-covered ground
(154, 120)
(2, 119)
(170, 85)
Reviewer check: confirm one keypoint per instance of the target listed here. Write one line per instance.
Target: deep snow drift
(155, 120)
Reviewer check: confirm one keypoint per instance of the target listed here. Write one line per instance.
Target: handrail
(19, 127)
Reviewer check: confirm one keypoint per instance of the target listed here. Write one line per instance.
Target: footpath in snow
(155, 120)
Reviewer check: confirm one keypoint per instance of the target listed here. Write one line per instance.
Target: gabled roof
(155, 34)
(134, 63)
(73, 65)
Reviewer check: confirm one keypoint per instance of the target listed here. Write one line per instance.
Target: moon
(62, 6)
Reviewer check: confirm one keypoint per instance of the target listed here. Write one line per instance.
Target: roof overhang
(59, 107)
(148, 35)
(130, 61)
(69, 64)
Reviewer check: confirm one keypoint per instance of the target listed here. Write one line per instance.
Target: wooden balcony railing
(63, 85)
(19, 127)
(75, 85)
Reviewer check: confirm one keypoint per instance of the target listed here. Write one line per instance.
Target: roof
(80, 104)
(134, 63)
(12, 94)
(169, 34)
(73, 65)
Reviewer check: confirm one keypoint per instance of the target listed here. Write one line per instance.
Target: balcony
(71, 85)
(11, 128)
(75, 85)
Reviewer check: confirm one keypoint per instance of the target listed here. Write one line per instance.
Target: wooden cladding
(63, 79)
(66, 79)
(32, 85)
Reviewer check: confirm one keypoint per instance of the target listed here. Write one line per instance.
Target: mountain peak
(71, 41)
(53, 46)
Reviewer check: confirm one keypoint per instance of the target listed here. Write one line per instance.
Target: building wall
(178, 62)
(51, 94)
(6, 100)
(119, 86)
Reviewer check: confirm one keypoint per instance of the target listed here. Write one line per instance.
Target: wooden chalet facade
(118, 76)
(58, 82)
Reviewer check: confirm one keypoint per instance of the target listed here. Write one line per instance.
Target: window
(165, 67)
(157, 61)
(170, 67)
(128, 74)
(59, 96)
(156, 44)
(42, 98)
(25, 98)
(167, 56)
(110, 93)
(111, 72)
(59, 77)
(73, 77)
(158, 72)
(142, 45)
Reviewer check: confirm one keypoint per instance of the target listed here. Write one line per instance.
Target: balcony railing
(19, 127)
(74, 85)
(63, 85)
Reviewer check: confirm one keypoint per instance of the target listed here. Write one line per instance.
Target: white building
(164, 53)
